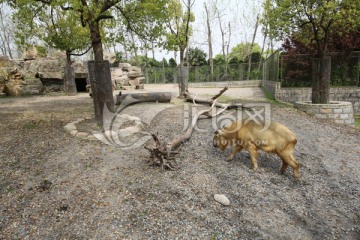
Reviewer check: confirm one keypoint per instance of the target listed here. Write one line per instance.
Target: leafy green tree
(242, 50)
(58, 28)
(91, 14)
(313, 21)
(195, 57)
(219, 59)
(164, 63)
(172, 63)
(135, 15)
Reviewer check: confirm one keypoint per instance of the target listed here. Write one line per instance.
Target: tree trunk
(69, 80)
(321, 70)
(262, 49)
(211, 60)
(100, 76)
(183, 85)
(100, 80)
(96, 41)
(251, 47)
(68, 58)
(132, 98)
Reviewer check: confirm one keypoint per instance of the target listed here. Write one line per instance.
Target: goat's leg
(235, 149)
(253, 155)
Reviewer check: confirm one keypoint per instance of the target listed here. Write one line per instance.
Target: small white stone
(221, 198)
(91, 137)
(69, 127)
(73, 132)
(82, 135)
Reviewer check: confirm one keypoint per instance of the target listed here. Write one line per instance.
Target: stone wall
(350, 94)
(336, 111)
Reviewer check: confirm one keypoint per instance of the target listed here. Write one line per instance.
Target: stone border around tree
(336, 111)
(123, 135)
(71, 128)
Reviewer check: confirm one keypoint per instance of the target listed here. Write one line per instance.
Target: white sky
(242, 17)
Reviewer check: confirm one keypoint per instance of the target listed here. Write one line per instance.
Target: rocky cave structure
(32, 75)
(127, 75)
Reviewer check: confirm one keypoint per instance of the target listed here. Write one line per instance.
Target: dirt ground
(56, 186)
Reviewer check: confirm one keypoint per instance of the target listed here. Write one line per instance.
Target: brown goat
(251, 136)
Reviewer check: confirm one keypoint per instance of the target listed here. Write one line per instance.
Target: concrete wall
(350, 94)
(245, 83)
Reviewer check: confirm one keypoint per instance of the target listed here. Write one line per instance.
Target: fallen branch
(163, 154)
(191, 98)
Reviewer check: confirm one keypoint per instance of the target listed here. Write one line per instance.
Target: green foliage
(195, 57)
(219, 59)
(297, 72)
(41, 51)
(37, 19)
(357, 120)
(64, 32)
(311, 21)
(172, 62)
(144, 18)
(179, 29)
(164, 62)
(255, 57)
(144, 61)
(30, 125)
(241, 51)
(119, 59)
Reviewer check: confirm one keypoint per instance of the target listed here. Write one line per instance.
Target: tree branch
(163, 154)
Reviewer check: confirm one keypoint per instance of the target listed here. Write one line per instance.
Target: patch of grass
(357, 120)
(273, 101)
(30, 126)
(215, 236)
(221, 99)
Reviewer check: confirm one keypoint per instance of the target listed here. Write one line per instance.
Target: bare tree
(6, 33)
(209, 39)
(252, 45)
(225, 43)
(263, 48)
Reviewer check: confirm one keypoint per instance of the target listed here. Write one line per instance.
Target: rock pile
(32, 75)
(127, 75)
(14, 81)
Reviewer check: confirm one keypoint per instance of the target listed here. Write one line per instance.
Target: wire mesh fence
(296, 70)
(229, 72)
(271, 67)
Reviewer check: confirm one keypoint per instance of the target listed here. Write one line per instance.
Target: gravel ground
(55, 186)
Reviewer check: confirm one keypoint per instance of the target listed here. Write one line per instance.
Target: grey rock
(221, 198)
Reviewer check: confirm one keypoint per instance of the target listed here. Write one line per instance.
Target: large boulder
(2, 85)
(134, 74)
(30, 54)
(110, 57)
(51, 74)
(125, 66)
(15, 83)
(5, 62)
(13, 89)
